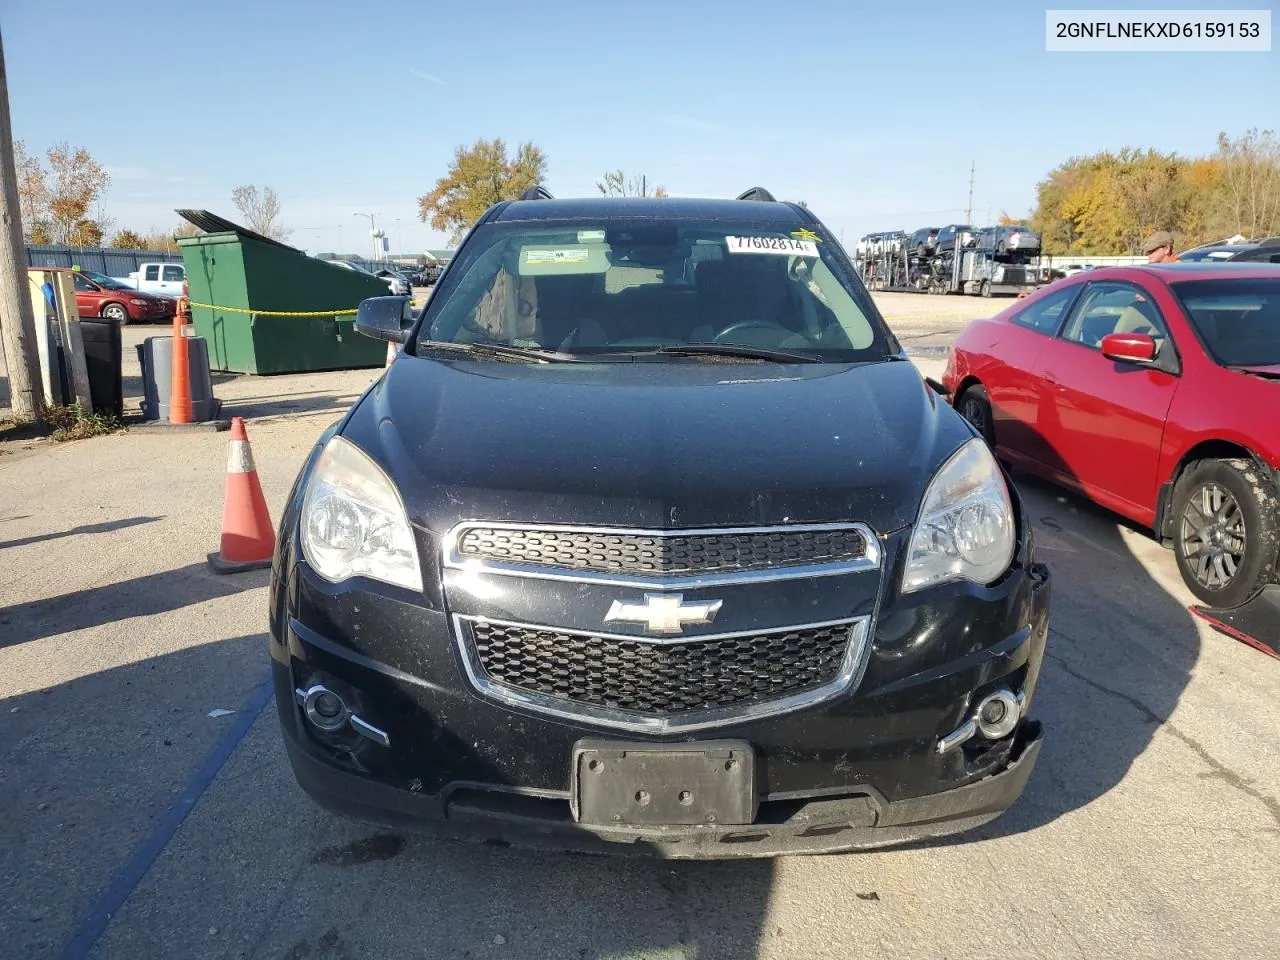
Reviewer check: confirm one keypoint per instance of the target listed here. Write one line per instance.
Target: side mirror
(385, 318)
(1129, 347)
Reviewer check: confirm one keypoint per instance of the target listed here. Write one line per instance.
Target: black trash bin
(102, 357)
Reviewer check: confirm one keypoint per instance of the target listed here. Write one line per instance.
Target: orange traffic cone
(248, 538)
(180, 378)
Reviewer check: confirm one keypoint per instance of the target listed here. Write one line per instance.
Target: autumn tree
(129, 240)
(33, 192)
(85, 233)
(616, 183)
(58, 204)
(1250, 185)
(481, 175)
(261, 210)
(1108, 202)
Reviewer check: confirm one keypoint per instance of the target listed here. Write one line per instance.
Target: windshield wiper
(1254, 371)
(501, 351)
(734, 350)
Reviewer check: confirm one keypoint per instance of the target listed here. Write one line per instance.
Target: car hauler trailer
(980, 269)
(882, 261)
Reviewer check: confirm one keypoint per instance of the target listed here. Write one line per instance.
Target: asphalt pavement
(148, 810)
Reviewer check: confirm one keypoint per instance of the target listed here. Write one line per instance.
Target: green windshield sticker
(803, 234)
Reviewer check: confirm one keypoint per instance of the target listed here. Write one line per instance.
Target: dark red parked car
(98, 295)
(1154, 391)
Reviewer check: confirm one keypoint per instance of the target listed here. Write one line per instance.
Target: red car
(102, 296)
(1154, 391)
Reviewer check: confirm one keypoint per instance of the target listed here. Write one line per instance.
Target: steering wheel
(772, 334)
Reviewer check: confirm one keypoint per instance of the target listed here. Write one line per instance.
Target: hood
(657, 445)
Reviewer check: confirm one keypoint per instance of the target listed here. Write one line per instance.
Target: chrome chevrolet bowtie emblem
(663, 612)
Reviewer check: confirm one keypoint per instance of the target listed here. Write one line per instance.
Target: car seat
(1133, 320)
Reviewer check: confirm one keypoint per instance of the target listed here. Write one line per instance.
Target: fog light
(998, 714)
(324, 708)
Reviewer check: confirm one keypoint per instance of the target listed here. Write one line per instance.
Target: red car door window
(1102, 421)
(1046, 314)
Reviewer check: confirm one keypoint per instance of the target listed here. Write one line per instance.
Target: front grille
(632, 553)
(659, 679)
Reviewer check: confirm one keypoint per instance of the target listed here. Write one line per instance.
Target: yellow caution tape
(276, 313)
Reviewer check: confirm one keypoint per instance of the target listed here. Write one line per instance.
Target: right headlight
(966, 529)
(354, 522)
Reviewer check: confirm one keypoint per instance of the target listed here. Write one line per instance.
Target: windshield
(103, 280)
(628, 286)
(1237, 319)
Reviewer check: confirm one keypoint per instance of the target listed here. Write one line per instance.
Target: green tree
(481, 175)
(128, 240)
(616, 183)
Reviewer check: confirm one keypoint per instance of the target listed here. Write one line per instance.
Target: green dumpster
(243, 288)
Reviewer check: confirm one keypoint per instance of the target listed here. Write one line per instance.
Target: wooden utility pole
(17, 319)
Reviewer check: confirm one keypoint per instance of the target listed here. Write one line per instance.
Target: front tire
(114, 311)
(1226, 528)
(975, 406)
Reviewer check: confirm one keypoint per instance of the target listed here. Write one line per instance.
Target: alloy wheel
(1212, 536)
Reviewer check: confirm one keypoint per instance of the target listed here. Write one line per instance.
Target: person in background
(1159, 248)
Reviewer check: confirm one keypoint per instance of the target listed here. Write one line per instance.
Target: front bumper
(154, 311)
(861, 770)
(859, 821)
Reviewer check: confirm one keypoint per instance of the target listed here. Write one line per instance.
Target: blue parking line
(135, 868)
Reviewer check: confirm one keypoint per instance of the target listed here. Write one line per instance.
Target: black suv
(946, 239)
(922, 242)
(652, 534)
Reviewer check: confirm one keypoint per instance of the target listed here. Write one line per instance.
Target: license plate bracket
(640, 784)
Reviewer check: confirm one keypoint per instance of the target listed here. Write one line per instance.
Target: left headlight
(966, 529)
(138, 303)
(354, 522)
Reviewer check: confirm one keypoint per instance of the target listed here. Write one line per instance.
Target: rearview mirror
(1129, 347)
(385, 318)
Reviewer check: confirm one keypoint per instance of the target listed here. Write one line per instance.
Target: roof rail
(537, 192)
(758, 193)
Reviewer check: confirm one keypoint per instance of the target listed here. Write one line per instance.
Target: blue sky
(870, 114)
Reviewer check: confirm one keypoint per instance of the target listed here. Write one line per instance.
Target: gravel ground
(926, 325)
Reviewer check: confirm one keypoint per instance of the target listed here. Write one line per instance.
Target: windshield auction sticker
(571, 255)
(779, 246)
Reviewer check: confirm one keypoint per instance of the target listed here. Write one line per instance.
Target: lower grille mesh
(660, 679)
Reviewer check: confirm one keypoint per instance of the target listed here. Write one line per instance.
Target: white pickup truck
(165, 278)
